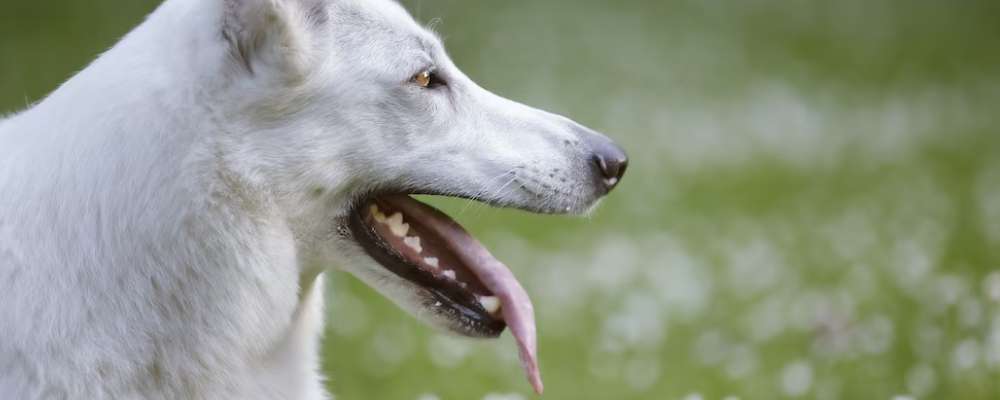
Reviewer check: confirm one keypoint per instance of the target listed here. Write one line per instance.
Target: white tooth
(414, 243)
(449, 273)
(432, 261)
(396, 225)
(400, 230)
(611, 182)
(395, 219)
(490, 303)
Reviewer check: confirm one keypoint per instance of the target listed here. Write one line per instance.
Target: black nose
(611, 160)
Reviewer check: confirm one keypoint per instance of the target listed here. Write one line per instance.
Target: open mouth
(465, 283)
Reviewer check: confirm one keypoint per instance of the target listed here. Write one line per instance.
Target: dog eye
(427, 79)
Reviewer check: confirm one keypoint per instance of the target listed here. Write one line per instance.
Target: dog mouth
(462, 280)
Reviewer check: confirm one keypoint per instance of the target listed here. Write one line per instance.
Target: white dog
(165, 215)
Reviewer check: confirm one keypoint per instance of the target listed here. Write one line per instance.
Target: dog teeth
(395, 219)
(432, 262)
(396, 225)
(394, 222)
(413, 242)
(490, 303)
(449, 273)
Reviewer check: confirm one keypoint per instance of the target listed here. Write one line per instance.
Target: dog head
(353, 101)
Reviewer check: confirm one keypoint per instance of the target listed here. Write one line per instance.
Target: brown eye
(428, 79)
(424, 79)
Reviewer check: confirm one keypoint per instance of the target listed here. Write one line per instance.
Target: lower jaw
(468, 316)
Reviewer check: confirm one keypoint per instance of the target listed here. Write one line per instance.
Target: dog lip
(495, 202)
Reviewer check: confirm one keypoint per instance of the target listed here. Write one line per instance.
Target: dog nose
(612, 162)
(610, 159)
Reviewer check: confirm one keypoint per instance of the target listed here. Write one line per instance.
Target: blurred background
(812, 209)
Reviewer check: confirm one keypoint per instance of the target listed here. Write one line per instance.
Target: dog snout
(608, 159)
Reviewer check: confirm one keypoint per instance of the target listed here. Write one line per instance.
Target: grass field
(812, 208)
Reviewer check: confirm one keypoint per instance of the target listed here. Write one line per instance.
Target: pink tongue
(517, 309)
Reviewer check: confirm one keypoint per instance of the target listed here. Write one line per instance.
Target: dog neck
(179, 261)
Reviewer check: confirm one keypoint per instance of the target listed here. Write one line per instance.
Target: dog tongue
(518, 312)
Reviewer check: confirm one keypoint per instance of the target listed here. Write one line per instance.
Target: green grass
(812, 210)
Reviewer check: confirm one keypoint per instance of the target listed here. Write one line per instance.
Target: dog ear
(272, 34)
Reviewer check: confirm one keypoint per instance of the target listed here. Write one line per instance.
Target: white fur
(166, 214)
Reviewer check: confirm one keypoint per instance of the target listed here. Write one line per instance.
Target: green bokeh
(812, 209)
